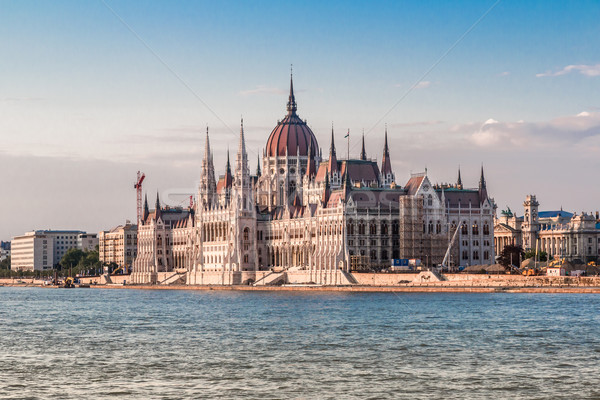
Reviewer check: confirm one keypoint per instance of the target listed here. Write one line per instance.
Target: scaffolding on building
(419, 237)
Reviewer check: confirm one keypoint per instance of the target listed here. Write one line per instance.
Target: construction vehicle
(69, 282)
(531, 272)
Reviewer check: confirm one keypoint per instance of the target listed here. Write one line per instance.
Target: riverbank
(431, 288)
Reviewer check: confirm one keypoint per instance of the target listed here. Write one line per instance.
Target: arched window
(246, 234)
(429, 200)
(384, 254)
(475, 229)
(464, 230)
(395, 227)
(465, 255)
(384, 228)
(373, 228)
(373, 255)
(361, 227)
(438, 227)
(350, 227)
(486, 229)
(292, 187)
(246, 258)
(430, 230)
(476, 255)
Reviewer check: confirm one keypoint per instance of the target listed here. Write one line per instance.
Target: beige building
(42, 250)
(558, 233)
(119, 245)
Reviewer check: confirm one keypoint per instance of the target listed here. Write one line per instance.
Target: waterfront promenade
(453, 283)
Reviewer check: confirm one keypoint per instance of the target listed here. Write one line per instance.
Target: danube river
(95, 343)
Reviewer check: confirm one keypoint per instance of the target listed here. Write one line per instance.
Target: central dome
(291, 136)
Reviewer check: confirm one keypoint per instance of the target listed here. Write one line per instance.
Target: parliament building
(303, 218)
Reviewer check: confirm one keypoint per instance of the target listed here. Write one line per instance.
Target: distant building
(4, 250)
(42, 250)
(558, 233)
(119, 245)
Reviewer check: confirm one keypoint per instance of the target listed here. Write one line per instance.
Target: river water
(98, 343)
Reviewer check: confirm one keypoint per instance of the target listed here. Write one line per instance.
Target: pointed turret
(208, 184)
(258, 171)
(146, 208)
(482, 187)
(386, 164)
(228, 165)
(242, 173)
(347, 183)
(291, 105)
(459, 184)
(310, 163)
(332, 166)
(363, 152)
(326, 190)
(157, 212)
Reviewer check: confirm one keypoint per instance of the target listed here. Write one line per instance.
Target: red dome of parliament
(292, 136)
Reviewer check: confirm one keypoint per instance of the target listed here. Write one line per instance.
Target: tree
(5, 264)
(511, 254)
(542, 256)
(71, 258)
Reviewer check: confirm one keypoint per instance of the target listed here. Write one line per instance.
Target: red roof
(291, 135)
(413, 184)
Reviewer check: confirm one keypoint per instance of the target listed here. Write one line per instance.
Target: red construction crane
(138, 187)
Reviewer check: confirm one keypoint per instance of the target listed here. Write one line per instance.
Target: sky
(93, 91)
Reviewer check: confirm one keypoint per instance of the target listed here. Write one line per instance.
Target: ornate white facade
(305, 219)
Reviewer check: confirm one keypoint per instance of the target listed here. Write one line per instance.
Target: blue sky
(520, 93)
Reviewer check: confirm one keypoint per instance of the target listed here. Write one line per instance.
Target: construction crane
(138, 187)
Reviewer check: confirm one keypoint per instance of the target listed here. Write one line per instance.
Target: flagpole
(348, 153)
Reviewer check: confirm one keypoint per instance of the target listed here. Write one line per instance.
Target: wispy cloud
(587, 70)
(504, 73)
(559, 131)
(420, 85)
(261, 89)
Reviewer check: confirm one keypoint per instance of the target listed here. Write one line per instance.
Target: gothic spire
(459, 183)
(242, 173)
(258, 171)
(363, 152)
(326, 190)
(332, 165)
(291, 105)
(228, 166)
(146, 208)
(157, 207)
(347, 183)
(386, 164)
(310, 162)
(482, 187)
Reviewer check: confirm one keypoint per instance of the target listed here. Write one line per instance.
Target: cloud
(419, 85)
(505, 73)
(587, 70)
(261, 89)
(422, 85)
(556, 132)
